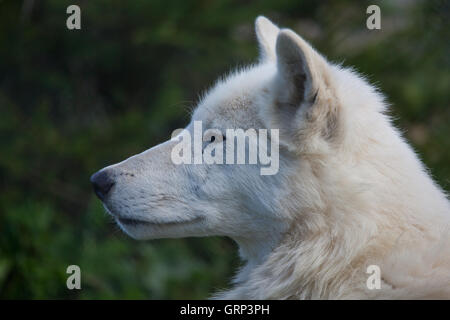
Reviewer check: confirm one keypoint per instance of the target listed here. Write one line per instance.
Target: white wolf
(349, 192)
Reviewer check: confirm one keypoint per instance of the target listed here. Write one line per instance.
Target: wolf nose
(102, 183)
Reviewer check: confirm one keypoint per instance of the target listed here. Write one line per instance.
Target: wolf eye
(217, 137)
(213, 138)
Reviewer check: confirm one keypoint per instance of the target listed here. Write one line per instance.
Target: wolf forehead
(234, 100)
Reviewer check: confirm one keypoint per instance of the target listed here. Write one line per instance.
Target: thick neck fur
(340, 229)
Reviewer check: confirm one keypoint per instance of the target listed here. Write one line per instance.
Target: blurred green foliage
(72, 102)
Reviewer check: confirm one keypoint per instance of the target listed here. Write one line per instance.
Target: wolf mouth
(131, 221)
(135, 222)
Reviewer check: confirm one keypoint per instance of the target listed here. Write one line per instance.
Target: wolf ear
(267, 33)
(301, 70)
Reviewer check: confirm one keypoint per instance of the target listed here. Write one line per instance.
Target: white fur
(350, 191)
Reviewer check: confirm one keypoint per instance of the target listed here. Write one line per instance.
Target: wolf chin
(349, 193)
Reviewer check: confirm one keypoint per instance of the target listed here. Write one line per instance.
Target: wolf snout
(102, 181)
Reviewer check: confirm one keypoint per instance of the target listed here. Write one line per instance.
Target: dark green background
(72, 102)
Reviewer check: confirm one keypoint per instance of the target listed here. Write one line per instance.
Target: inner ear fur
(304, 82)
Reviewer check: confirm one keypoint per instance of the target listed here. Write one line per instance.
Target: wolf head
(345, 187)
(321, 111)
